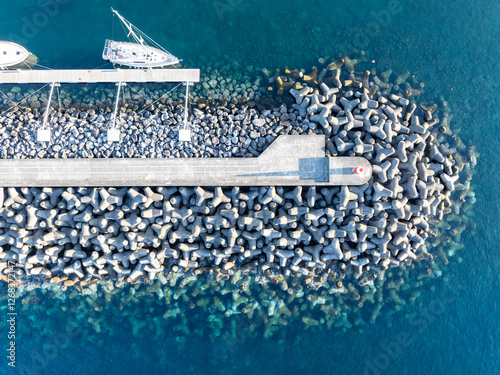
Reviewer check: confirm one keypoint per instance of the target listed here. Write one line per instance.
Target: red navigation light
(358, 170)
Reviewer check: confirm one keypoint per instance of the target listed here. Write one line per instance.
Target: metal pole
(186, 105)
(46, 115)
(116, 103)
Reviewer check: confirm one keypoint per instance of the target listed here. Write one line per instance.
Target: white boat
(137, 53)
(14, 56)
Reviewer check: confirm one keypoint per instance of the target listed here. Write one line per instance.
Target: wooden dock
(99, 76)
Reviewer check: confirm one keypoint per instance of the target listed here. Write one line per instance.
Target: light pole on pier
(113, 133)
(43, 134)
(184, 132)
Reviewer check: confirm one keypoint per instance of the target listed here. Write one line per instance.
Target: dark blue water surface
(451, 45)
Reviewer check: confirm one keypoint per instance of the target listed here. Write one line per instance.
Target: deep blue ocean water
(451, 45)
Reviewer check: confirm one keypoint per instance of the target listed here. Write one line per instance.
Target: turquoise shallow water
(452, 46)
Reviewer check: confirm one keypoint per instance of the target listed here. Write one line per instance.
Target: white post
(47, 110)
(113, 133)
(186, 105)
(43, 135)
(116, 103)
(185, 133)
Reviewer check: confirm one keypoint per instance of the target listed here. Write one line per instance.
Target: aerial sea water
(452, 46)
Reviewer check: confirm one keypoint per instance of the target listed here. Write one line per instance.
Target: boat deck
(11, 54)
(99, 76)
(136, 55)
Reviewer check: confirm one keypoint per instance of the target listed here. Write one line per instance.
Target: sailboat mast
(128, 25)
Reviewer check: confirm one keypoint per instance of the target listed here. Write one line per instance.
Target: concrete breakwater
(78, 236)
(290, 160)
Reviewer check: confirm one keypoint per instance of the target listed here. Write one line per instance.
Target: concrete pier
(99, 76)
(291, 160)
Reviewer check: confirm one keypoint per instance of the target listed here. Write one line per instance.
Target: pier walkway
(99, 76)
(291, 160)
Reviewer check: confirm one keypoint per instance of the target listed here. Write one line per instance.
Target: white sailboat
(137, 53)
(14, 56)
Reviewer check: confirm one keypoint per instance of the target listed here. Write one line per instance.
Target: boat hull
(14, 56)
(136, 55)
